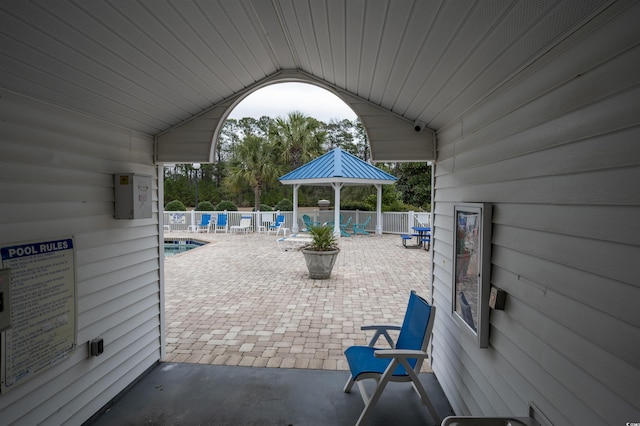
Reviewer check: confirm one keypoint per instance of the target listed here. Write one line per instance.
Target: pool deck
(252, 340)
(241, 301)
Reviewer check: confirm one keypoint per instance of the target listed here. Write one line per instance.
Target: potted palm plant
(321, 253)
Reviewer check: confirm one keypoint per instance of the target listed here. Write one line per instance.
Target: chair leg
(371, 400)
(417, 386)
(349, 384)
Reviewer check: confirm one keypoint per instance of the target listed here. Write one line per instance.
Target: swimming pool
(175, 247)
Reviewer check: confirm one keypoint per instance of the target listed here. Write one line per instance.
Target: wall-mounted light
(497, 299)
(96, 347)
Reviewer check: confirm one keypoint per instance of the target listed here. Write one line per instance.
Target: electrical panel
(133, 196)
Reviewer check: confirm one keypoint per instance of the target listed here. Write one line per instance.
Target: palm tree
(253, 165)
(299, 138)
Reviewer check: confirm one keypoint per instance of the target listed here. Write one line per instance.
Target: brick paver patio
(240, 300)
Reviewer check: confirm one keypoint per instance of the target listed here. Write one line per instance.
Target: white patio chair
(244, 226)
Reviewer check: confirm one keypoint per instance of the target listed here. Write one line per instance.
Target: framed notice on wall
(472, 268)
(44, 326)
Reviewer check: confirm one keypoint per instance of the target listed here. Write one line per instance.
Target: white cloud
(277, 100)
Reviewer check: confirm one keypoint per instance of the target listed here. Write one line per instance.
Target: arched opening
(391, 136)
(267, 313)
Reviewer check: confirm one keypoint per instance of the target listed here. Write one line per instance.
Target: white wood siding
(557, 151)
(56, 180)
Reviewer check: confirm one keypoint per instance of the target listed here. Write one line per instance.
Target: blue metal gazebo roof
(337, 166)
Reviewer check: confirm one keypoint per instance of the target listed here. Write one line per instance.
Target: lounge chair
(244, 226)
(278, 226)
(294, 241)
(361, 228)
(222, 223)
(203, 225)
(401, 363)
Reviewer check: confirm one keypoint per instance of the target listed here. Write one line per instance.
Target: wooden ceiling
(150, 65)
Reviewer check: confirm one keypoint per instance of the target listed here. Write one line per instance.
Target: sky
(279, 99)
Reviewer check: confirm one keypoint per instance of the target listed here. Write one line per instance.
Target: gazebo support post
(294, 225)
(379, 210)
(337, 186)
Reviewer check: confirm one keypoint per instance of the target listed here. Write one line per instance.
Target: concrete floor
(198, 394)
(251, 340)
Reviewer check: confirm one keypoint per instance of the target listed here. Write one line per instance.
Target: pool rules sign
(43, 327)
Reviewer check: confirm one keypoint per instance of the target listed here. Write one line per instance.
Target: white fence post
(410, 221)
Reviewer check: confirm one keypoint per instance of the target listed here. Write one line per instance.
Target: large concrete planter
(320, 263)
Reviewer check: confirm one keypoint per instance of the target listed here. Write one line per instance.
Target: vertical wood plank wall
(56, 180)
(558, 153)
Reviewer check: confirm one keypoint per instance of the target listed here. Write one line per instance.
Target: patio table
(421, 232)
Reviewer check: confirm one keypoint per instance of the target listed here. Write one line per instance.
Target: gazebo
(337, 168)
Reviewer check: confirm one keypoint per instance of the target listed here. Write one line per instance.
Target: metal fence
(392, 222)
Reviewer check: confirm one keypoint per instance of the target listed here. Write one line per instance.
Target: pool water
(175, 247)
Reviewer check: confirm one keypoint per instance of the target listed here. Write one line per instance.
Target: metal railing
(392, 222)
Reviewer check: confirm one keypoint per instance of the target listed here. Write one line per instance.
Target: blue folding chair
(401, 363)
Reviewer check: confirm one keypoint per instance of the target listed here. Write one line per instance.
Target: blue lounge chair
(361, 228)
(401, 363)
(221, 224)
(277, 226)
(203, 225)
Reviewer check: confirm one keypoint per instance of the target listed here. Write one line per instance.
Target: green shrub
(390, 202)
(175, 206)
(226, 205)
(265, 208)
(411, 207)
(354, 205)
(205, 206)
(284, 205)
